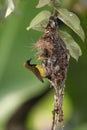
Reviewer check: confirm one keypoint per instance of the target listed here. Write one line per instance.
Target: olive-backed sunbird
(36, 69)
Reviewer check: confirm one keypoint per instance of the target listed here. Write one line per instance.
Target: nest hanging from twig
(55, 61)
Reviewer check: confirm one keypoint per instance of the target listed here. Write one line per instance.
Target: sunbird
(38, 70)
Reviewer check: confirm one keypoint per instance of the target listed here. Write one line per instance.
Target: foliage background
(25, 103)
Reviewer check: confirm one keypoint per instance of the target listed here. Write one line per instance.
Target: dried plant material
(55, 61)
(42, 45)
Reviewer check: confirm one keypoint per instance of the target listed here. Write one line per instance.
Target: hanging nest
(55, 61)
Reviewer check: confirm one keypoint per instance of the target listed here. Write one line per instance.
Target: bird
(38, 70)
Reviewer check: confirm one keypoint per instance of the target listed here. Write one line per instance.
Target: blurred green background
(26, 103)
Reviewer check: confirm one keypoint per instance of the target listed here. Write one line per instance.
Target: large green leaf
(40, 18)
(43, 3)
(72, 21)
(71, 45)
(41, 26)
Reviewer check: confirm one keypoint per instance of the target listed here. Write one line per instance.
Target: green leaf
(41, 26)
(72, 21)
(71, 45)
(56, 3)
(42, 3)
(37, 22)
